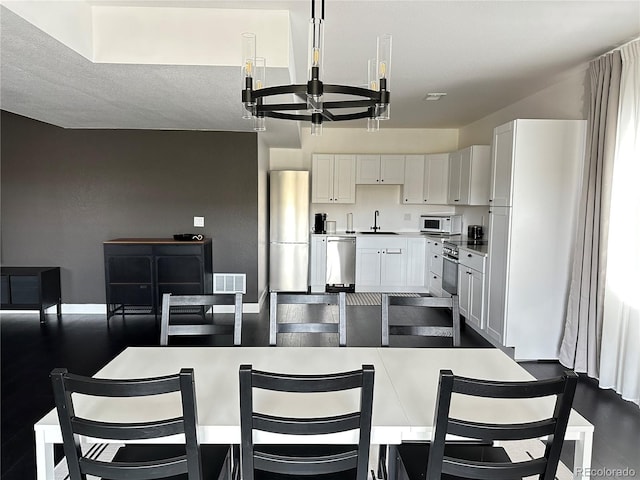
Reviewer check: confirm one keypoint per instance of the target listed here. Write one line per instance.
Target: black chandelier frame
(372, 104)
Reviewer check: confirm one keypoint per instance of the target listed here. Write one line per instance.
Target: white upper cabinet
(502, 165)
(392, 169)
(469, 176)
(426, 179)
(379, 169)
(333, 178)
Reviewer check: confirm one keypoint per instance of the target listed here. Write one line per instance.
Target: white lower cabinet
(318, 263)
(434, 267)
(381, 264)
(471, 287)
(416, 262)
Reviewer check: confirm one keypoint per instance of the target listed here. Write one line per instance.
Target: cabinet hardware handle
(406, 199)
(382, 180)
(469, 255)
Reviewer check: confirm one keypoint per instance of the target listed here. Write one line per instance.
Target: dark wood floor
(85, 343)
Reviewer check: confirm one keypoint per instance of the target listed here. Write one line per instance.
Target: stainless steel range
(450, 267)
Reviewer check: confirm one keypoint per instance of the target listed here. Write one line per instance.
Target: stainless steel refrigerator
(289, 231)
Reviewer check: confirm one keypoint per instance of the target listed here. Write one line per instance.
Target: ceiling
(484, 54)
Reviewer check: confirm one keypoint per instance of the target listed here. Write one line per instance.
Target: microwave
(448, 224)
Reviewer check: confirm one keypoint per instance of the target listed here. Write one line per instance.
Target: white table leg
(44, 458)
(582, 456)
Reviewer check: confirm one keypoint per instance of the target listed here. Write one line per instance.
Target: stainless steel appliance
(450, 268)
(341, 264)
(449, 224)
(289, 231)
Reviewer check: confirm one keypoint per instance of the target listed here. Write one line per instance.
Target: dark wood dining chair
(483, 460)
(188, 461)
(290, 460)
(275, 327)
(452, 331)
(198, 305)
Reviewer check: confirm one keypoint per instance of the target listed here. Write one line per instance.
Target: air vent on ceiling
(229, 283)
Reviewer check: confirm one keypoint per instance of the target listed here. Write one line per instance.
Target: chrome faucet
(375, 227)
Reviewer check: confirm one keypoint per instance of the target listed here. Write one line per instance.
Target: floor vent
(229, 283)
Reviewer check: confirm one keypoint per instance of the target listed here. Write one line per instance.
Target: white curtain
(580, 348)
(620, 347)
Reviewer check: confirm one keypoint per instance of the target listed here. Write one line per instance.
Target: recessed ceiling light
(433, 96)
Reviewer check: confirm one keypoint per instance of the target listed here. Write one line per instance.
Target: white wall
(563, 100)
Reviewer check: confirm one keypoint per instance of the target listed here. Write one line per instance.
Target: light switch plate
(198, 221)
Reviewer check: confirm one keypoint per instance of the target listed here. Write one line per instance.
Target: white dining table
(405, 388)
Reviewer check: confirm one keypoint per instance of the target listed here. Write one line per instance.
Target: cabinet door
(435, 258)
(392, 169)
(463, 290)
(368, 169)
(499, 223)
(502, 165)
(436, 178)
(476, 298)
(25, 289)
(344, 179)
(465, 176)
(479, 173)
(393, 272)
(318, 263)
(453, 196)
(368, 267)
(416, 262)
(322, 179)
(414, 178)
(435, 285)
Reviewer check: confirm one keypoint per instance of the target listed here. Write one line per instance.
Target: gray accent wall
(65, 191)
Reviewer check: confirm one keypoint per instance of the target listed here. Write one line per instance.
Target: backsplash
(386, 199)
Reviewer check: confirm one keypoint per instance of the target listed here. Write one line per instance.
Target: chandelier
(317, 101)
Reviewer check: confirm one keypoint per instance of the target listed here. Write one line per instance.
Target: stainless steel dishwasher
(341, 264)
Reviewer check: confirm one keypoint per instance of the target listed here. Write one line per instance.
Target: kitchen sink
(379, 233)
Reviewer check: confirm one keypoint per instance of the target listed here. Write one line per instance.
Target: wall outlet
(198, 221)
(407, 216)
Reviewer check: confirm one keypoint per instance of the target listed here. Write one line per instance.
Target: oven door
(450, 275)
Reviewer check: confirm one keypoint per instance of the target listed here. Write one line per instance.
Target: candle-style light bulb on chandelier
(342, 103)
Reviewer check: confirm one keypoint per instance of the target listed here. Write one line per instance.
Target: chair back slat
(285, 382)
(301, 465)
(134, 470)
(306, 426)
(65, 385)
(486, 431)
(200, 303)
(131, 431)
(553, 427)
(120, 388)
(452, 331)
(493, 471)
(310, 461)
(495, 389)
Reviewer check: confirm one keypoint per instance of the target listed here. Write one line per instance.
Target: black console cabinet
(31, 288)
(138, 271)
